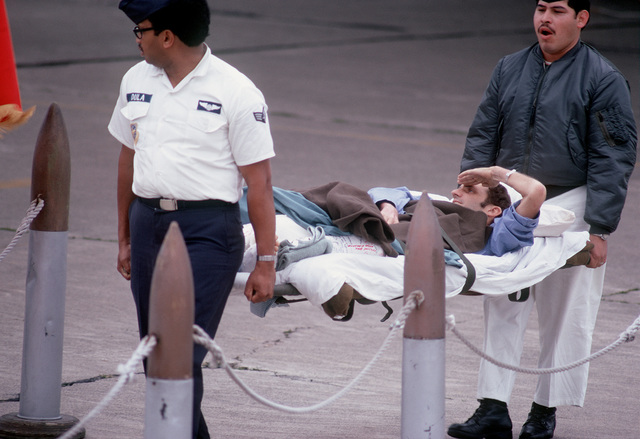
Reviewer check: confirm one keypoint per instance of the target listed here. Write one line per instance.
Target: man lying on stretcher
(509, 227)
(480, 190)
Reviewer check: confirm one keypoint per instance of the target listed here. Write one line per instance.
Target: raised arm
(533, 192)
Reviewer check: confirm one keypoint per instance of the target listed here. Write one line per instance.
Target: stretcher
(358, 272)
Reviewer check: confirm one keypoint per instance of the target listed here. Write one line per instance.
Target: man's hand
(598, 253)
(483, 176)
(389, 212)
(125, 197)
(124, 261)
(260, 284)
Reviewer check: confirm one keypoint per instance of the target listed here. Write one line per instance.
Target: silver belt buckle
(168, 204)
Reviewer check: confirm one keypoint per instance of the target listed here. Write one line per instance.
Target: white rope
(626, 336)
(34, 209)
(127, 373)
(201, 337)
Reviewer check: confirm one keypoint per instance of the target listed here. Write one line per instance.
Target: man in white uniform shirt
(192, 128)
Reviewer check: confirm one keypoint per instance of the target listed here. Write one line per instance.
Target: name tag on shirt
(139, 97)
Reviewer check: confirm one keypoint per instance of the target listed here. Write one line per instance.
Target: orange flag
(11, 114)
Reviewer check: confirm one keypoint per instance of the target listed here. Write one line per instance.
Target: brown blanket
(467, 228)
(352, 210)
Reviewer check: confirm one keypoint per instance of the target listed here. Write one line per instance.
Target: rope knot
(126, 372)
(217, 354)
(628, 335)
(417, 296)
(450, 321)
(414, 300)
(201, 337)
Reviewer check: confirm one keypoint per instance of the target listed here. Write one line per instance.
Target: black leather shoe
(540, 424)
(490, 421)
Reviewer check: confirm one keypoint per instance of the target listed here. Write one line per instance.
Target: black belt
(554, 191)
(171, 204)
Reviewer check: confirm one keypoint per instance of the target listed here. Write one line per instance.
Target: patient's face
(471, 197)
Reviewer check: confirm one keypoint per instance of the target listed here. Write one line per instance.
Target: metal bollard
(40, 391)
(423, 353)
(169, 387)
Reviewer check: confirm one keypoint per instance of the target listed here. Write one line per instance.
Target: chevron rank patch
(261, 116)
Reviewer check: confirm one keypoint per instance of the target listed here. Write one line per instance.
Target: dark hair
(580, 5)
(188, 19)
(498, 196)
(576, 5)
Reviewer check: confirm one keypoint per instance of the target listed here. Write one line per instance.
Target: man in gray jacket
(561, 113)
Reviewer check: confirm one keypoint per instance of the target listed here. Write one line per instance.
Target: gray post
(169, 388)
(40, 391)
(423, 352)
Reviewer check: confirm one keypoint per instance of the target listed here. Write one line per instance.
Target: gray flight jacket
(567, 124)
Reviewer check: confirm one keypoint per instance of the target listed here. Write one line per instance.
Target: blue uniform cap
(139, 10)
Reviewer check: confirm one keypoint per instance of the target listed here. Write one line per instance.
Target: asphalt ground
(370, 92)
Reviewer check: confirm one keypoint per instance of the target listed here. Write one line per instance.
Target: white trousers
(567, 304)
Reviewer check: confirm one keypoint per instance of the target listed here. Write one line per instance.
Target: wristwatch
(267, 258)
(602, 236)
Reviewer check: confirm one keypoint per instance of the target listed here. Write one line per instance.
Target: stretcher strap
(471, 270)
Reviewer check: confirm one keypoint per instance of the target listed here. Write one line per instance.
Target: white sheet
(382, 278)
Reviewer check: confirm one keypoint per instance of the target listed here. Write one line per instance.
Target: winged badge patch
(209, 107)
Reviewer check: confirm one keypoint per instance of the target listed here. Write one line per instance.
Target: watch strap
(267, 258)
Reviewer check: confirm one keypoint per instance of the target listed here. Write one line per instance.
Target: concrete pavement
(368, 92)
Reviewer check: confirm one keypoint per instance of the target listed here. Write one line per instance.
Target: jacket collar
(567, 56)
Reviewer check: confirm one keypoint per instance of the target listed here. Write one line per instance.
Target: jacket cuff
(595, 230)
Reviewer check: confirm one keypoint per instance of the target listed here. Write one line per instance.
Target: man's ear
(492, 211)
(168, 38)
(583, 18)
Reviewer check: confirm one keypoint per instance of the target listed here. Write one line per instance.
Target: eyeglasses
(138, 31)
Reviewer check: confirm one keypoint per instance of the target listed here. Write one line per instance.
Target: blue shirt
(399, 196)
(511, 231)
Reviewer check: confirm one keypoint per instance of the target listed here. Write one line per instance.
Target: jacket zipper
(532, 122)
(605, 131)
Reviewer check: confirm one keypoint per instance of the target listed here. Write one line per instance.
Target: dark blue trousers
(215, 243)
